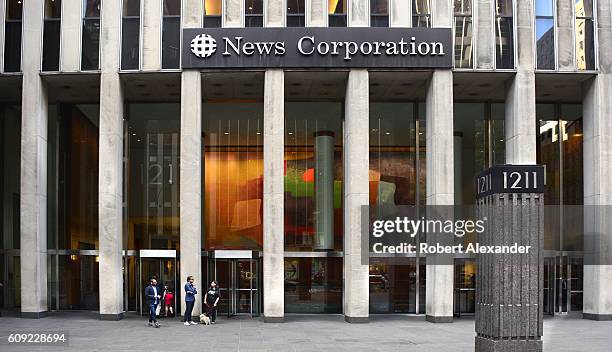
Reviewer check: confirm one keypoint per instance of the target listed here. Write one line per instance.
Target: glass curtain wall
(90, 46)
(12, 35)
(212, 13)
(421, 13)
(337, 13)
(463, 34)
(130, 35)
(396, 179)
(379, 13)
(10, 151)
(171, 34)
(72, 199)
(51, 35)
(504, 34)
(296, 13)
(585, 35)
(313, 207)
(545, 35)
(233, 175)
(253, 13)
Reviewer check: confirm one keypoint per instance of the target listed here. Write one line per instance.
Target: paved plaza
(298, 333)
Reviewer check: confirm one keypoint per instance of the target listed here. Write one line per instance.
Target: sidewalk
(298, 333)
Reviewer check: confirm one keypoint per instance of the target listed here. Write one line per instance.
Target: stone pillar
(110, 182)
(274, 156)
(151, 34)
(520, 92)
(72, 22)
(324, 186)
(597, 109)
(400, 14)
(485, 43)
(191, 167)
(2, 26)
(273, 202)
(316, 13)
(565, 35)
(440, 176)
(233, 13)
(359, 13)
(356, 194)
(33, 198)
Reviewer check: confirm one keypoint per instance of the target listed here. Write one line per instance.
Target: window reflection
(379, 13)
(253, 13)
(90, 46)
(313, 285)
(421, 13)
(313, 176)
(212, 13)
(463, 33)
(51, 35)
(152, 174)
(171, 35)
(233, 176)
(12, 36)
(585, 37)
(504, 34)
(337, 13)
(545, 35)
(393, 286)
(130, 38)
(296, 13)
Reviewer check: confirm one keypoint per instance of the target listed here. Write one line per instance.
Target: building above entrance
(317, 48)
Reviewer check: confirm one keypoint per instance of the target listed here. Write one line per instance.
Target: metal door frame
(159, 254)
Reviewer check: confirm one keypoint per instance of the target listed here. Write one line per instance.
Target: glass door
(164, 270)
(562, 284)
(238, 281)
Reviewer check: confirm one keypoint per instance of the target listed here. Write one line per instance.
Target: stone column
(273, 202)
(33, 198)
(191, 167)
(2, 26)
(485, 34)
(110, 182)
(72, 22)
(233, 13)
(274, 156)
(597, 109)
(356, 194)
(440, 176)
(359, 13)
(565, 35)
(316, 13)
(400, 14)
(151, 34)
(520, 92)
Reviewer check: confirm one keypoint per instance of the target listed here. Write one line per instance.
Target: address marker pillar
(509, 286)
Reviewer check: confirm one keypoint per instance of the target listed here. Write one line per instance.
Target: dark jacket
(150, 294)
(190, 292)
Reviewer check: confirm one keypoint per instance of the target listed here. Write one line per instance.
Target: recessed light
(225, 133)
(387, 133)
(289, 133)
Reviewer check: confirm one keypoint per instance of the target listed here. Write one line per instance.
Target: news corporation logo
(203, 46)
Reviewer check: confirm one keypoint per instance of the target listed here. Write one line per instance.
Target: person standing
(190, 293)
(153, 295)
(211, 300)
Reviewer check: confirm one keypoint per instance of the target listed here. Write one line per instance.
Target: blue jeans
(152, 309)
(188, 310)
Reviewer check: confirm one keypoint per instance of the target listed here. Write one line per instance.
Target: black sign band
(317, 48)
(510, 179)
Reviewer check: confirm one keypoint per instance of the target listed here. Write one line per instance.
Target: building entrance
(562, 284)
(238, 276)
(162, 265)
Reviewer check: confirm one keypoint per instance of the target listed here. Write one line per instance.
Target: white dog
(204, 319)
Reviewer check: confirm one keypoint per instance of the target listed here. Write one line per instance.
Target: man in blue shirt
(152, 295)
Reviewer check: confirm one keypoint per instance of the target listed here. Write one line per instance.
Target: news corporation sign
(229, 48)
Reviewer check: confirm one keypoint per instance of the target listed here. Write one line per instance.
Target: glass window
(10, 146)
(337, 13)
(212, 13)
(12, 36)
(545, 35)
(393, 285)
(421, 13)
(51, 35)
(465, 286)
(479, 144)
(296, 13)
(313, 285)
(171, 34)
(379, 13)
(77, 283)
(152, 174)
(585, 36)
(253, 13)
(233, 175)
(90, 48)
(73, 177)
(463, 34)
(313, 176)
(504, 34)
(130, 37)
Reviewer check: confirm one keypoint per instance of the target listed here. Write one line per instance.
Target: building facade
(119, 165)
